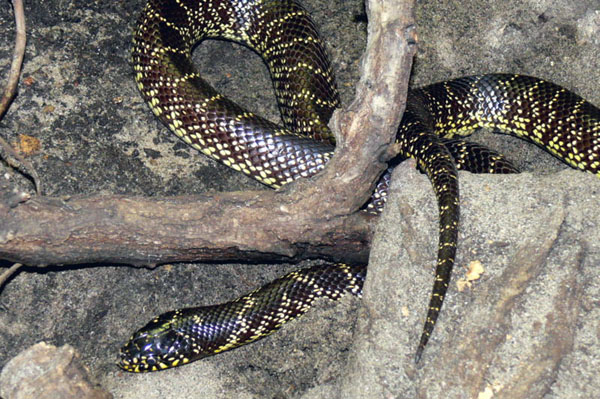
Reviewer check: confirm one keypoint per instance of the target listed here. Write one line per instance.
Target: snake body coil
(283, 34)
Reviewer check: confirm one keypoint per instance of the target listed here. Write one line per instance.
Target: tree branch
(295, 222)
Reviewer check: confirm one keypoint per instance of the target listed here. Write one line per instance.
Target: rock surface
(79, 100)
(47, 372)
(527, 328)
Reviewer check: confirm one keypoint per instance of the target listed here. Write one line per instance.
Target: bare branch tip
(9, 272)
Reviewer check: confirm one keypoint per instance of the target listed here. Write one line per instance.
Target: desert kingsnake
(283, 34)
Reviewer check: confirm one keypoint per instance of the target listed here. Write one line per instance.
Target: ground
(78, 98)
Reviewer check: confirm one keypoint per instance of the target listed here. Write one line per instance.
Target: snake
(436, 119)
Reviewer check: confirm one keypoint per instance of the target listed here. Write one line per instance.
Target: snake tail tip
(418, 354)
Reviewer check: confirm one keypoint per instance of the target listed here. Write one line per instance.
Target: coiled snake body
(283, 34)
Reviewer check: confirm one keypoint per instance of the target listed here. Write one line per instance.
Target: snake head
(157, 346)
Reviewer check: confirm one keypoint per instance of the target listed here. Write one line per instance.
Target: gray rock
(522, 330)
(47, 372)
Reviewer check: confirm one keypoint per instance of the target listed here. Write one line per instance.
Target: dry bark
(293, 223)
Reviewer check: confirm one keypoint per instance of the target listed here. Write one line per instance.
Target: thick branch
(366, 129)
(311, 218)
(224, 227)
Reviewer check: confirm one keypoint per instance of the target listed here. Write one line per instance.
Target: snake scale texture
(285, 37)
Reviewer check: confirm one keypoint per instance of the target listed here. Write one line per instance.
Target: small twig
(7, 153)
(11, 270)
(17, 61)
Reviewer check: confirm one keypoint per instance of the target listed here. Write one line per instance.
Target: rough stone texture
(528, 328)
(47, 372)
(97, 136)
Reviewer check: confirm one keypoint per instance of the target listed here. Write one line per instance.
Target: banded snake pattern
(283, 34)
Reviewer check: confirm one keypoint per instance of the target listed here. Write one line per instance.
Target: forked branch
(292, 223)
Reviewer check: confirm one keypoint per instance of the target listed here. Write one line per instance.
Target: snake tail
(436, 161)
(181, 336)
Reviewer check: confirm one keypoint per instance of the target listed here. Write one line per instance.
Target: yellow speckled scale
(284, 35)
(548, 115)
(190, 334)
